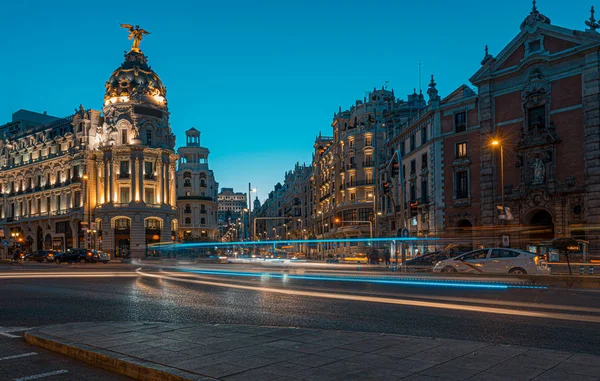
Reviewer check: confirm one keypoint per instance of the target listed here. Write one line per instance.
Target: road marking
(42, 375)
(402, 302)
(9, 335)
(18, 356)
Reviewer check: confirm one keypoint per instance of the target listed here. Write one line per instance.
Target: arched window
(187, 209)
(203, 221)
(148, 137)
(202, 208)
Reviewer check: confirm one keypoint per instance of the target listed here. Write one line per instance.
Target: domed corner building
(135, 162)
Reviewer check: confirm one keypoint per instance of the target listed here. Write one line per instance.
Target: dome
(135, 82)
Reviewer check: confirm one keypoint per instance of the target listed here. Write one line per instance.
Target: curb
(107, 360)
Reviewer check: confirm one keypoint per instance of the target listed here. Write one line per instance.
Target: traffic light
(395, 169)
(413, 208)
(386, 187)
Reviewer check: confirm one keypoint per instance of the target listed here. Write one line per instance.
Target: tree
(563, 245)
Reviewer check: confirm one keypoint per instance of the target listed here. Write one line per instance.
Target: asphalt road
(544, 318)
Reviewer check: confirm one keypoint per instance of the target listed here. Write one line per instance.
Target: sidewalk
(168, 351)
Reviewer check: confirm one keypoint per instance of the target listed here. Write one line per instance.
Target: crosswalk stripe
(18, 356)
(42, 375)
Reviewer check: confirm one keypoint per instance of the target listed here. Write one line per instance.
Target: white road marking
(9, 335)
(18, 356)
(42, 375)
(402, 302)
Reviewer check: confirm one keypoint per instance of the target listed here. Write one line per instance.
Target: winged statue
(136, 34)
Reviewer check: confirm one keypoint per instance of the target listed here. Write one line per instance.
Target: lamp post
(497, 143)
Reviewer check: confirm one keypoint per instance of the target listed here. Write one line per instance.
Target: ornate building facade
(92, 180)
(196, 192)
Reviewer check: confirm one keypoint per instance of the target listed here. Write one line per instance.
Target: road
(35, 295)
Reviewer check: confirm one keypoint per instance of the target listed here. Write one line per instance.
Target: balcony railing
(368, 163)
(360, 183)
(149, 176)
(351, 166)
(123, 175)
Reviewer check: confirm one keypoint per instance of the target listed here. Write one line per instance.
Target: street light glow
(495, 142)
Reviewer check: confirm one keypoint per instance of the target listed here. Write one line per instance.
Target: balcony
(351, 166)
(324, 197)
(187, 211)
(203, 198)
(202, 211)
(360, 183)
(124, 175)
(368, 163)
(149, 176)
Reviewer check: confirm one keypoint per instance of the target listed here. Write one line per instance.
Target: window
(203, 221)
(58, 177)
(58, 206)
(535, 46)
(424, 161)
(475, 255)
(402, 148)
(77, 199)
(424, 192)
(369, 178)
(75, 171)
(124, 137)
(352, 196)
(413, 192)
(462, 184)
(351, 143)
(38, 208)
(413, 166)
(461, 149)
(149, 138)
(412, 143)
(124, 168)
(38, 181)
(424, 135)
(460, 122)
(503, 253)
(537, 117)
(122, 224)
(148, 168)
(368, 140)
(368, 160)
(124, 196)
(365, 214)
(149, 195)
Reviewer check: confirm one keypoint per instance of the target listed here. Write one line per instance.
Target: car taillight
(89, 254)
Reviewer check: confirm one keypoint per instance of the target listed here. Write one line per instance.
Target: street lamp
(497, 143)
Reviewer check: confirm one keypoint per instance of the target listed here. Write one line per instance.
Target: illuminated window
(461, 149)
(125, 196)
(149, 195)
(124, 137)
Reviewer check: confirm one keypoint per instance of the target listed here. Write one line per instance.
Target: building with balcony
(94, 179)
(196, 192)
(231, 210)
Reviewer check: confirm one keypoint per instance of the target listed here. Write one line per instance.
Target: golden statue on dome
(136, 34)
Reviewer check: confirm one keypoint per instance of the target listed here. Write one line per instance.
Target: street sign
(405, 233)
(5, 243)
(506, 240)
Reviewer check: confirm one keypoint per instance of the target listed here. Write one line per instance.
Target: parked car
(495, 260)
(429, 259)
(82, 256)
(41, 256)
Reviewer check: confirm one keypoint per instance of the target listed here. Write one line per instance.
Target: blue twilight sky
(259, 79)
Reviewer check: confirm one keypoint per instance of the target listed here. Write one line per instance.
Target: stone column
(134, 192)
(172, 184)
(165, 232)
(106, 180)
(591, 126)
(159, 179)
(108, 237)
(111, 180)
(141, 178)
(167, 185)
(98, 183)
(137, 237)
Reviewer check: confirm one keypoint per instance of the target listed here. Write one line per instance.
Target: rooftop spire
(591, 23)
(534, 17)
(432, 91)
(487, 56)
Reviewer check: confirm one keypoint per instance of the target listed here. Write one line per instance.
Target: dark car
(41, 256)
(82, 256)
(430, 259)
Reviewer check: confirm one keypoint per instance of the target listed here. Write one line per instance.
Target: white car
(495, 260)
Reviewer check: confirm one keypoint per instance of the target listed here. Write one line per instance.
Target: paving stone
(299, 347)
(365, 346)
(423, 377)
(220, 370)
(516, 372)
(449, 372)
(560, 375)
(410, 366)
(379, 374)
(253, 375)
(584, 359)
(316, 374)
(485, 376)
(312, 360)
(339, 353)
(285, 368)
(397, 352)
(592, 370)
(251, 362)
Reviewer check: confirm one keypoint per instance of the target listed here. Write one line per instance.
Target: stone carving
(539, 171)
(136, 34)
(570, 182)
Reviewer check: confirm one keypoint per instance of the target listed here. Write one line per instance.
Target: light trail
(66, 275)
(392, 301)
(363, 279)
